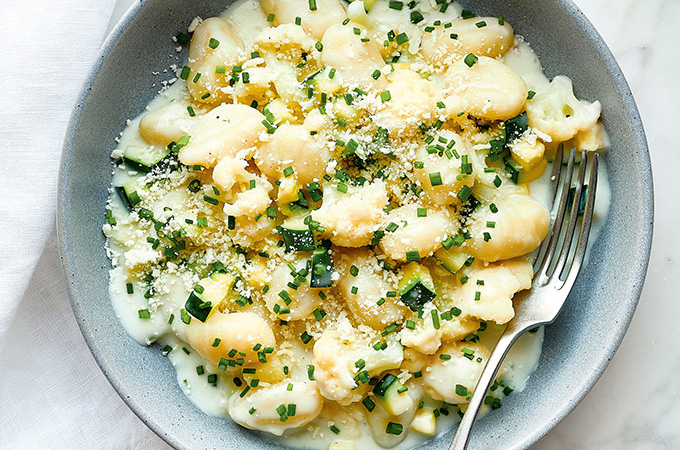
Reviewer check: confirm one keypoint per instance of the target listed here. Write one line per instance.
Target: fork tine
(554, 183)
(573, 217)
(584, 233)
(556, 230)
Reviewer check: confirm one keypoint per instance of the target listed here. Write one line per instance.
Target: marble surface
(636, 403)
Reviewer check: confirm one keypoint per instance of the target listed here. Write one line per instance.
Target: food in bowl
(323, 221)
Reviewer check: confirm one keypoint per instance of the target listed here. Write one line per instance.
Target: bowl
(578, 346)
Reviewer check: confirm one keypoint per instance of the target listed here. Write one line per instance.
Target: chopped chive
(334, 429)
(210, 199)
(435, 319)
(471, 60)
(385, 96)
(413, 255)
(376, 74)
(530, 95)
(186, 71)
(464, 193)
(396, 5)
(271, 17)
(213, 43)
(144, 314)
(421, 212)
(402, 38)
(368, 404)
(305, 337)
(394, 428)
(436, 179)
(312, 5)
(480, 24)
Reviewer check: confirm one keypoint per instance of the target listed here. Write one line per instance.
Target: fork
(555, 268)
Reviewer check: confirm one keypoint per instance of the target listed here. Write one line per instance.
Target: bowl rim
(645, 172)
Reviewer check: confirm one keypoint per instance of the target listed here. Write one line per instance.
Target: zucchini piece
(416, 286)
(128, 194)
(197, 307)
(322, 269)
(515, 127)
(144, 158)
(425, 422)
(513, 169)
(452, 259)
(392, 395)
(297, 235)
(213, 291)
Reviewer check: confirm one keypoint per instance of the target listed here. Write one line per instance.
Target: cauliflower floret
(232, 178)
(416, 234)
(559, 114)
(488, 293)
(226, 131)
(258, 410)
(351, 218)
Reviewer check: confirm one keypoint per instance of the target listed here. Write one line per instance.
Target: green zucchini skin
(323, 263)
(197, 307)
(128, 194)
(298, 240)
(417, 296)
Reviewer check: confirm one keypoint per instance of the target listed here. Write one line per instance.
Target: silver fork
(555, 268)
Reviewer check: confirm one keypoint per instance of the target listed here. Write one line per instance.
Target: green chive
(471, 60)
(436, 179)
(213, 43)
(402, 38)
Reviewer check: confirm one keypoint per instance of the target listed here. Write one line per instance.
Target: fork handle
(512, 332)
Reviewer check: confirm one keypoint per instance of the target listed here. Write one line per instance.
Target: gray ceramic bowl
(577, 347)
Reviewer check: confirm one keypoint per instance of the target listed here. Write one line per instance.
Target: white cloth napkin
(52, 394)
(46, 49)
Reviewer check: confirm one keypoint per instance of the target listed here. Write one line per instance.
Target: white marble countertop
(636, 403)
